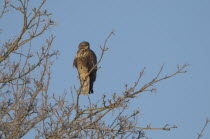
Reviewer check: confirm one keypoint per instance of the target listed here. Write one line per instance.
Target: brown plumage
(84, 61)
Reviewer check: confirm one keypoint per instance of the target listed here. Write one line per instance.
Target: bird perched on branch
(85, 62)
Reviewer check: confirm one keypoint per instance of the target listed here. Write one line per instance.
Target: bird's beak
(86, 47)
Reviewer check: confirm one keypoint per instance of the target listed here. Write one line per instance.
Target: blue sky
(148, 33)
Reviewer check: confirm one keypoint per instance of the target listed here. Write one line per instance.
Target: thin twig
(204, 127)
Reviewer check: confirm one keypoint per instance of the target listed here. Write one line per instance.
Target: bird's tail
(86, 86)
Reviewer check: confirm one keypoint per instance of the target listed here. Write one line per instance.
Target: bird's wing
(91, 58)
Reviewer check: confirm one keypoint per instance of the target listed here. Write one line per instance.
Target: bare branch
(102, 52)
(5, 8)
(204, 127)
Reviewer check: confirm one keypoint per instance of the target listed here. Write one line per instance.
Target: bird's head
(84, 45)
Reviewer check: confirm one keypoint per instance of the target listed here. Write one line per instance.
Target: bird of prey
(85, 62)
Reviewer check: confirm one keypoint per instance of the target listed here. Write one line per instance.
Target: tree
(25, 71)
(25, 102)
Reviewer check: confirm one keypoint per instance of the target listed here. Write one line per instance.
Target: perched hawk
(84, 61)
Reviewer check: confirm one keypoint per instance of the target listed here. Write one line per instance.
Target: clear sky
(148, 33)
